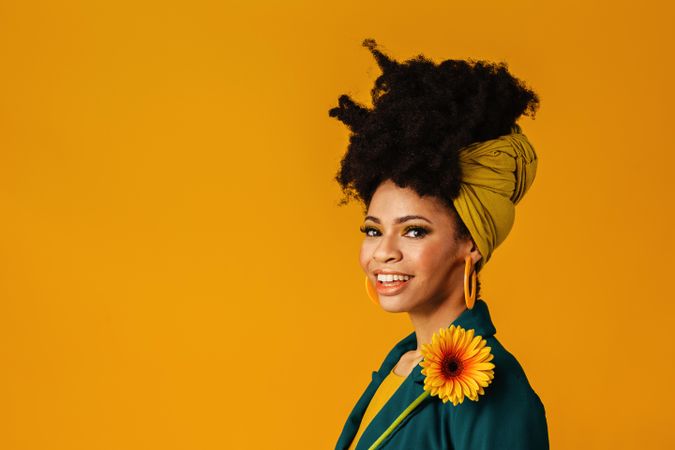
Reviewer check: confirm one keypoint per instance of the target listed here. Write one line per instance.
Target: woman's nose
(387, 250)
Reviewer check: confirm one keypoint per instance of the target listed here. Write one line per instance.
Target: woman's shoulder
(510, 376)
(509, 414)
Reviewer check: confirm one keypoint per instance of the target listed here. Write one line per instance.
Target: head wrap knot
(496, 174)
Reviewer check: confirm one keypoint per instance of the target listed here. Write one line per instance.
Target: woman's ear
(475, 254)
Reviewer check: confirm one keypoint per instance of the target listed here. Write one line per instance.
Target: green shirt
(509, 416)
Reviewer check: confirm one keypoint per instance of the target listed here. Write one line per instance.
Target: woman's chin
(389, 304)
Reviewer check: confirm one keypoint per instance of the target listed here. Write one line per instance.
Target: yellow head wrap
(495, 176)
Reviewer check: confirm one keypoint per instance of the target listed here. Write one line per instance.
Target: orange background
(176, 273)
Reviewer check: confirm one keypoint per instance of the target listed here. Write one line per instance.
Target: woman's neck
(428, 323)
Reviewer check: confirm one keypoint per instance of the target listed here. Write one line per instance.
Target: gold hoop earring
(469, 296)
(372, 293)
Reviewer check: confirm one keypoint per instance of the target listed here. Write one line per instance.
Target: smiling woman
(439, 164)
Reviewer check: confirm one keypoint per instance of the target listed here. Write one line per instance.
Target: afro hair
(423, 114)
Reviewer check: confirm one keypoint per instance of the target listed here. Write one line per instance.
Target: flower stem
(398, 420)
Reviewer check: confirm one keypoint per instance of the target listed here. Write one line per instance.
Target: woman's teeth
(384, 278)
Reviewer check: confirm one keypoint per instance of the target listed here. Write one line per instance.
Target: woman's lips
(392, 287)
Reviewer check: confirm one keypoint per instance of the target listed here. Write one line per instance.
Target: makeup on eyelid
(424, 230)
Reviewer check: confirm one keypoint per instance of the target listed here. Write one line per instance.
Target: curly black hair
(423, 114)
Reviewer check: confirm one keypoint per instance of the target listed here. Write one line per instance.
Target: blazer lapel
(354, 420)
(411, 388)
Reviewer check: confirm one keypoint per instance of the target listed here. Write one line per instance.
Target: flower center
(452, 367)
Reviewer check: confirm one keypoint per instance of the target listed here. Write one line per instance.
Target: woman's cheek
(429, 254)
(364, 256)
(414, 256)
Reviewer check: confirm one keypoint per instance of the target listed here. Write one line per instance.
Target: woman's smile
(391, 283)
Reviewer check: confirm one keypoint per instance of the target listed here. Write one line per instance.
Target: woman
(439, 164)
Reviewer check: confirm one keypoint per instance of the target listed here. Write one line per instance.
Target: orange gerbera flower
(456, 364)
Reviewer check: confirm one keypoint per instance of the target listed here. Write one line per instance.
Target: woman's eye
(417, 232)
(369, 231)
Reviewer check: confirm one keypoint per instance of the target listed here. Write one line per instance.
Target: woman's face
(414, 237)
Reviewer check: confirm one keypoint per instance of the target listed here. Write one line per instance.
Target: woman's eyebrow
(399, 220)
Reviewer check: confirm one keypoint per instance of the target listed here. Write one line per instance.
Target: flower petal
(472, 356)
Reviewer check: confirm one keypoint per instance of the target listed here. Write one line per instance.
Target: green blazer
(509, 416)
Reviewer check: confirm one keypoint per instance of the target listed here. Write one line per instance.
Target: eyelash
(424, 231)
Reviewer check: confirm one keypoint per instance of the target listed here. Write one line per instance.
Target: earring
(469, 296)
(372, 293)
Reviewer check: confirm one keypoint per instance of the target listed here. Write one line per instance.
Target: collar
(477, 318)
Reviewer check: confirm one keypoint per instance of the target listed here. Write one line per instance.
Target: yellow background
(176, 273)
